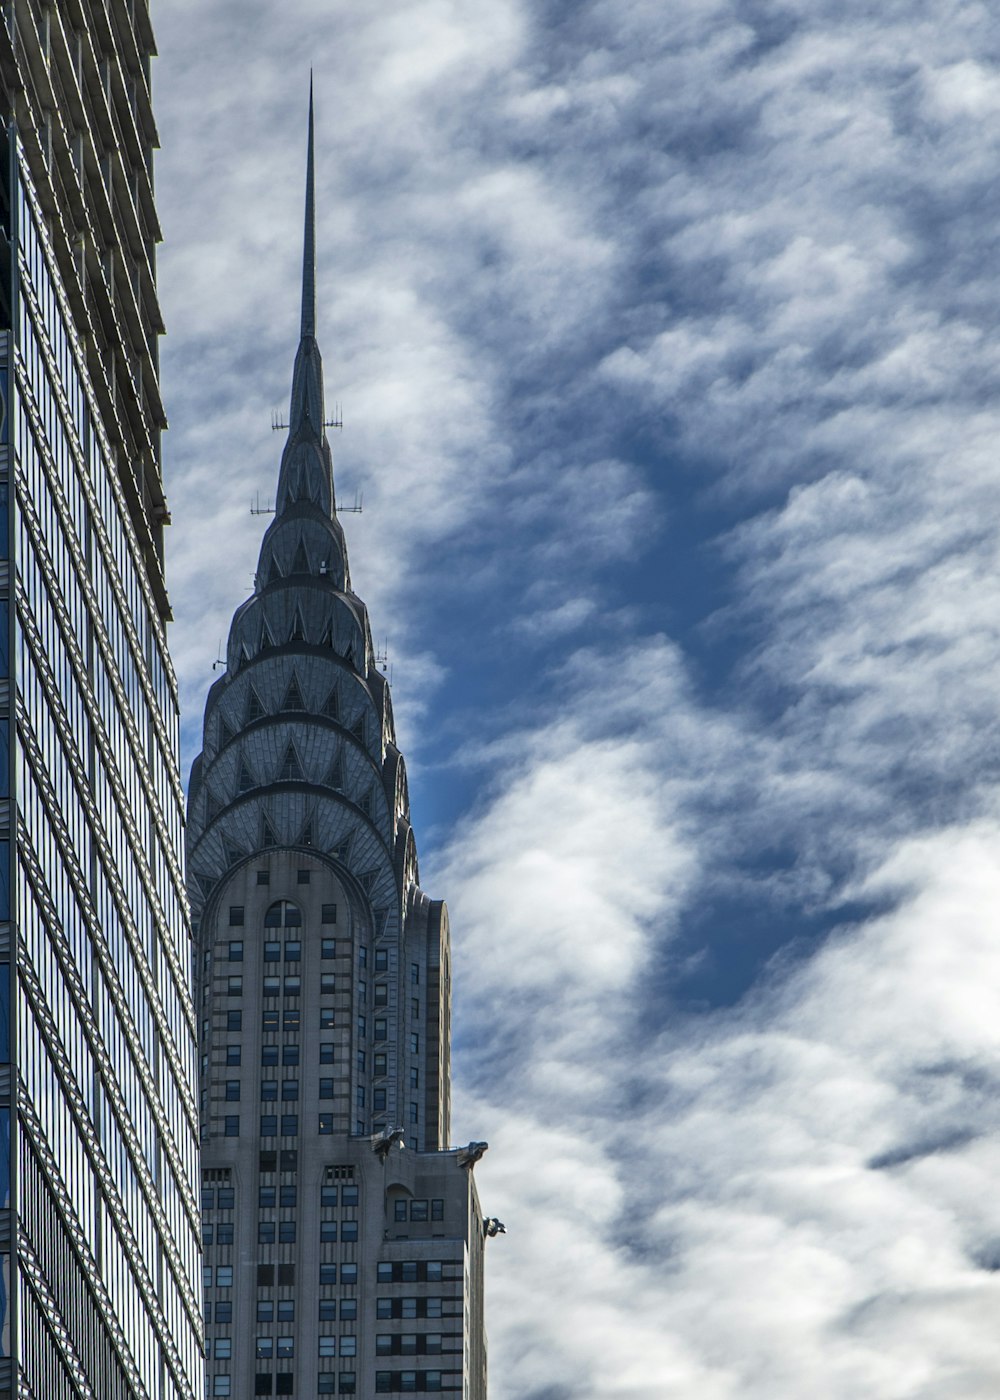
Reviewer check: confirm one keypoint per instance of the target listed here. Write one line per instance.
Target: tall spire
(306, 464)
(309, 238)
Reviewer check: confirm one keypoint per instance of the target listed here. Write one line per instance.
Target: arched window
(283, 914)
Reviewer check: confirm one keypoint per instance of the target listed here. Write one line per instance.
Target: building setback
(343, 1236)
(99, 1246)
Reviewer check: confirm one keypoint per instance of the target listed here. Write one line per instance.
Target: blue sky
(665, 337)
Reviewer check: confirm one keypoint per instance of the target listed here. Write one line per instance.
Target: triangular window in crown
(298, 632)
(358, 728)
(335, 777)
(332, 707)
(349, 656)
(342, 850)
(267, 836)
(225, 732)
(327, 638)
(365, 802)
(300, 564)
(306, 834)
(206, 883)
(291, 768)
(273, 570)
(266, 635)
(381, 916)
(212, 806)
(368, 880)
(255, 710)
(233, 853)
(246, 779)
(293, 696)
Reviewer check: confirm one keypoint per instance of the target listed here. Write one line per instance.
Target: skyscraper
(343, 1236)
(98, 1118)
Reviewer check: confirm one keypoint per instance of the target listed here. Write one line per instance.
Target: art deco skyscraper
(343, 1237)
(98, 1118)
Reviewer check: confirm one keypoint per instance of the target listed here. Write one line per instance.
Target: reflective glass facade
(101, 1269)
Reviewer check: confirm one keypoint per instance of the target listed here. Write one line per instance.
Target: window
(224, 1276)
(232, 1091)
(286, 1232)
(222, 1385)
(263, 877)
(289, 1159)
(206, 1276)
(414, 1007)
(362, 956)
(234, 1054)
(327, 1273)
(380, 1029)
(414, 1043)
(272, 952)
(286, 1275)
(268, 1089)
(348, 1273)
(359, 1096)
(293, 950)
(383, 1344)
(326, 1088)
(408, 1271)
(348, 1346)
(234, 1020)
(328, 1232)
(414, 1113)
(434, 1271)
(292, 1021)
(284, 1382)
(381, 1064)
(265, 1310)
(289, 1197)
(293, 986)
(223, 1313)
(269, 1021)
(283, 914)
(329, 915)
(400, 1210)
(268, 1162)
(414, 1077)
(236, 951)
(361, 1062)
(326, 1020)
(226, 1197)
(418, 1210)
(265, 1232)
(327, 984)
(325, 1382)
(415, 974)
(265, 1275)
(328, 948)
(236, 916)
(208, 1198)
(289, 1125)
(434, 1307)
(383, 1381)
(383, 1307)
(290, 1053)
(407, 1380)
(325, 1124)
(268, 1125)
(303, 876)
(265, 1347)
(378, 1100)
(207, 1234)
(269, 1055)
(286, 1310)
(437, 1210)
(326, 1051)
(328, 1346)
(224, 1233)
(348, 1382)
(381, 960)
(432, 1342)
(328, 1196)
(223, 1348)
(263, 1383)
(231, 1125)
(381, 994)
(349, 1309)
(432, 1380)
(286, 1347)
(349, 1196)
(349, 1230)
(289, 1088)
(327, 1310)
(272, 986)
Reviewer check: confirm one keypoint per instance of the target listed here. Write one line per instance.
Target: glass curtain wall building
(343, 1236)
(99, 1244)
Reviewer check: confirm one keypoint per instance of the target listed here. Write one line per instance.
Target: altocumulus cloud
(667, 342)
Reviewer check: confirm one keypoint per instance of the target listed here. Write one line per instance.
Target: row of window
(272, 986)
(221, 1275)
(282, 913)
(291, 1020)
(290, 950)
(290, 1054)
